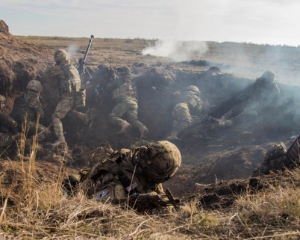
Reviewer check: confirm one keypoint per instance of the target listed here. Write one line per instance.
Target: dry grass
(43, 211)
(36, 209)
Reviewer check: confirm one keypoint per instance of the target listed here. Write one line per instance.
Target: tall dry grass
(36, 209)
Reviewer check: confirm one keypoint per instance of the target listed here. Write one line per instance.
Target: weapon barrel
(87, 49)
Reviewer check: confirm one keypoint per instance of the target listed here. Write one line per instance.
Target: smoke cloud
(72, 50)
(177, 50)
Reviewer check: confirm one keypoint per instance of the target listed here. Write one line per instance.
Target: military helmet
(159, 160)
(60, 55)
(2, 98)
(34, 85)
(269, 76)
(123, 70)
(192, 88)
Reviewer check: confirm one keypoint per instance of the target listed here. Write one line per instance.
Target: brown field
(32, 203)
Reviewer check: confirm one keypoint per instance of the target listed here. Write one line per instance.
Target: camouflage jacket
(121, 88)
(65, 77)
(6, 123)
(29, 106)
(119, 167)
(192, 99)
(262, 93)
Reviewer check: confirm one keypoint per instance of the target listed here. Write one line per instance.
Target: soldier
(126, 172)
(8, 127)
(189, 104)
(27, 108)
(263, 92)
(125, 98)
(66, 77)
(279, 158)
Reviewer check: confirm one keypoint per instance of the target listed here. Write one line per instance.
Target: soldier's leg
(62, 108)
(115, 117)
(82, 116)
(42, 132)
(235, 111)
(7, 140)
(182, 120)
(132, 117)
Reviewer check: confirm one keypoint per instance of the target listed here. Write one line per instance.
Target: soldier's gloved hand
(16, 136)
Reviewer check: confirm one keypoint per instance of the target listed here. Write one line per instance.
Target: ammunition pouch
(80, 97)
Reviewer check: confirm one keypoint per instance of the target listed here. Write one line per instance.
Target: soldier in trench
(27, 109)
(66, 78)
(262, 93)
(120, 174)
(188, 106)
(8, 128)
(124, 94)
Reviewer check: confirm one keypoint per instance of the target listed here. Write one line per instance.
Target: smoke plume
(177, 50)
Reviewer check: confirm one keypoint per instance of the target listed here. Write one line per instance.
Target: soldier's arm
(114, 84)
(36, 104)
(54, 73)
(7, 121)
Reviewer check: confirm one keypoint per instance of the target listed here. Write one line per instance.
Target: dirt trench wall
(20, 62)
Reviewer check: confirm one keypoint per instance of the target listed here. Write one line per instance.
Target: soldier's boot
(144, 131)
(124, 126)
(173, 136)
(60, 141)
(82, 116)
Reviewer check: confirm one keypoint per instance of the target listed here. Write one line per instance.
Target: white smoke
(178, 51)
(72, 50)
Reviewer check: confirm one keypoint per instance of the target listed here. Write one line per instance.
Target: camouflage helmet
(159, 160)
(269, 76)
(34, 85)
(60, 55)
(192, 88)
(2, 99)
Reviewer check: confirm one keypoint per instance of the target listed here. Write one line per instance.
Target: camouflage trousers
(182, 117)
(127, 108)
(42, 132)
(63, 107)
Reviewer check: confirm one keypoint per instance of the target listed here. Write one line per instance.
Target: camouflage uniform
(140, 170)
(125, 98)
(279, 158)
(262, 93)
(8, 127)
(26, 108)
(189, 104)
(66, 77)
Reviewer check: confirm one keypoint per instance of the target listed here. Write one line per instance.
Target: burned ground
(208, 154)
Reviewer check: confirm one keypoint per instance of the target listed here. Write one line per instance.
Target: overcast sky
(256, 21)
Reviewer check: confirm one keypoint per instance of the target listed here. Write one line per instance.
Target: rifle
(145, 201)
(81, 62)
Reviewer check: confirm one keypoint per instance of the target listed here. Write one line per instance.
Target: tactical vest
(21, 109)
(124, 91)
(122, 169)
(191, 98)
(72, 82)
